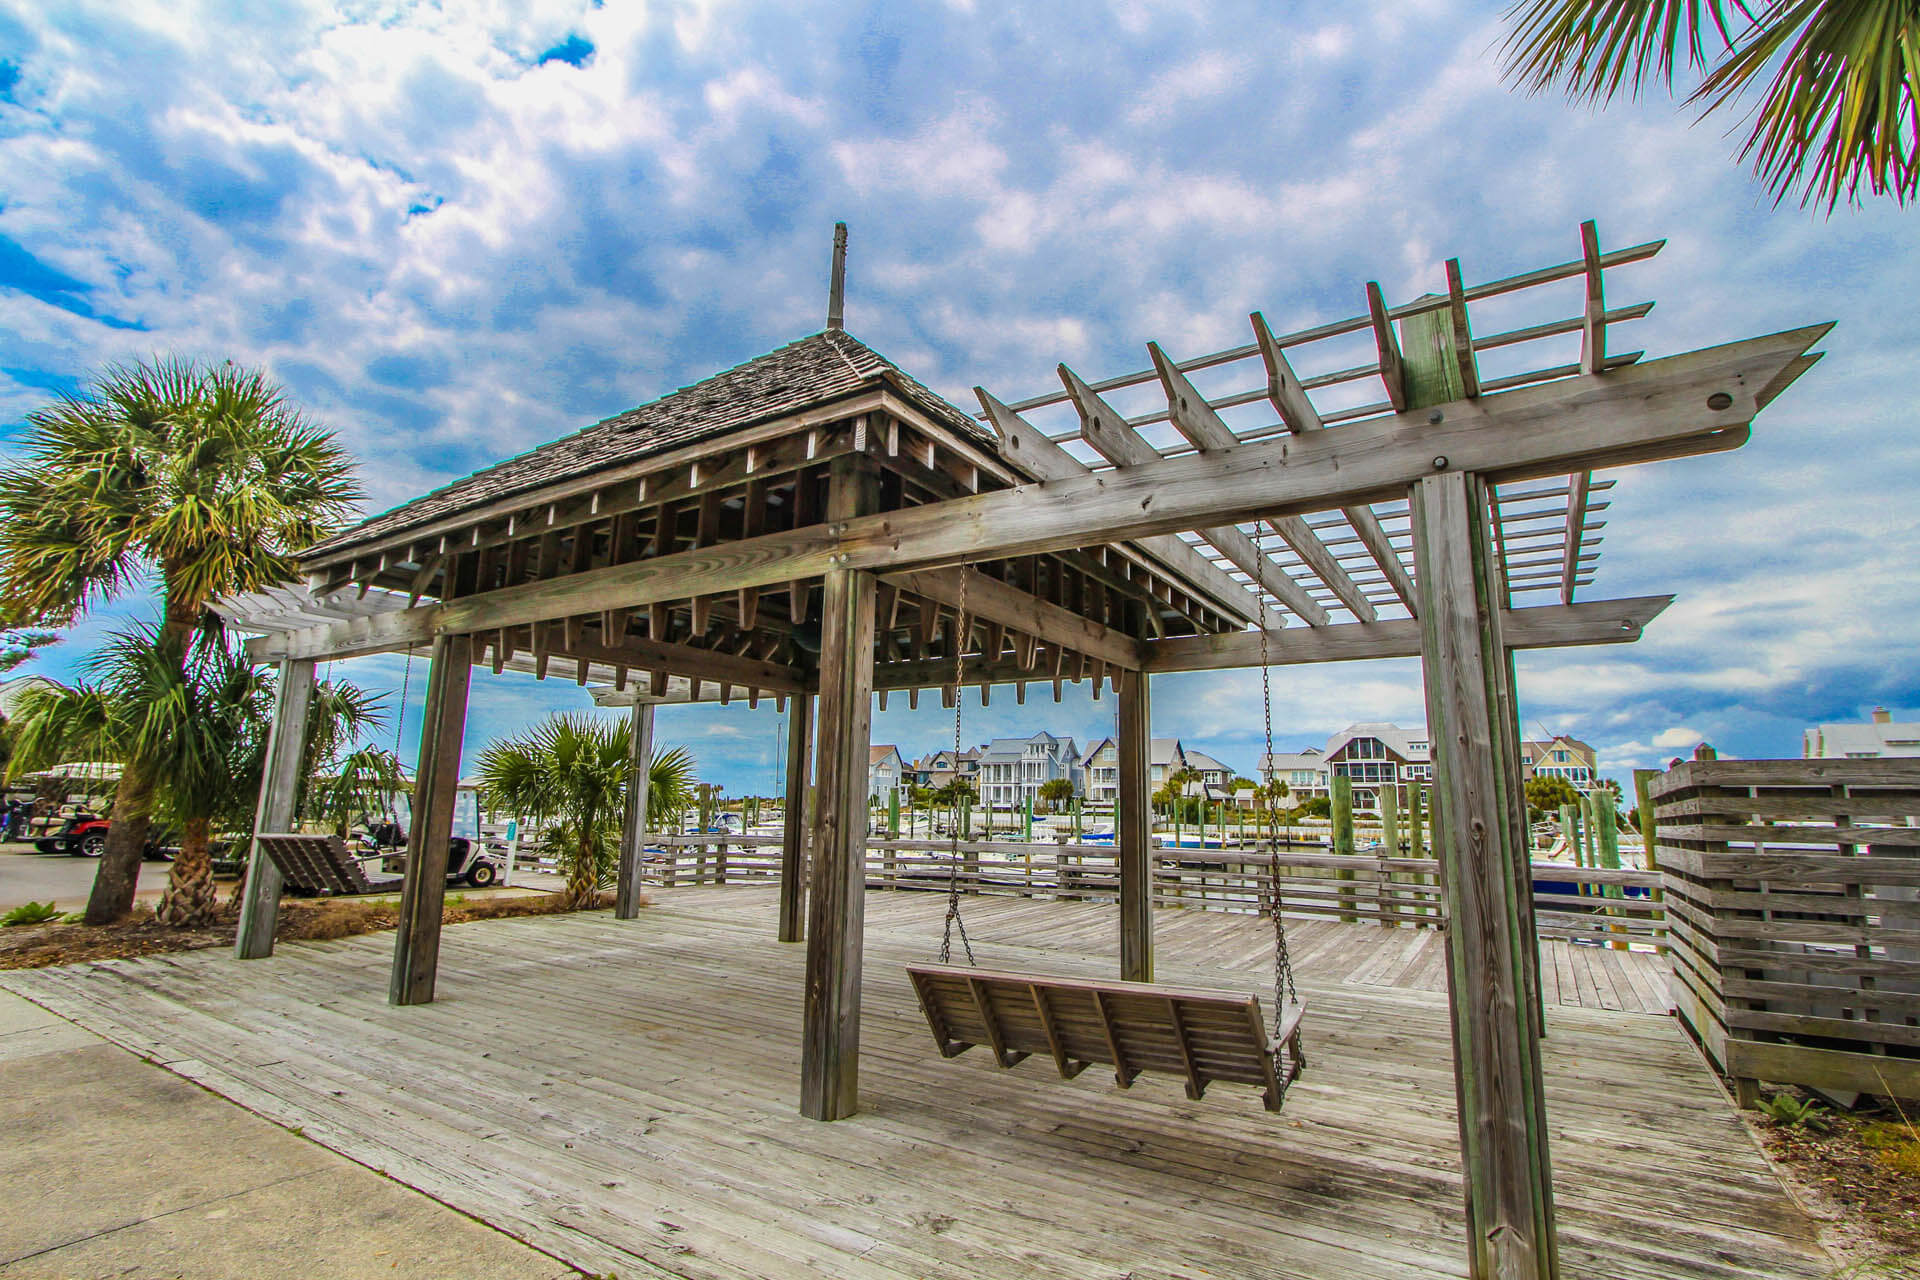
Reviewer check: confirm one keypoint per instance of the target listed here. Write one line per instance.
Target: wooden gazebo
(809, 525)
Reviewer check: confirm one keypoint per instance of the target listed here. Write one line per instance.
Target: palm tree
(1055, 790)
(202, 475)
(1840, 107)
(570, 773)
(202, 729)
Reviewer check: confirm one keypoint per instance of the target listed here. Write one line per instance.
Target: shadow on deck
(624, 1096)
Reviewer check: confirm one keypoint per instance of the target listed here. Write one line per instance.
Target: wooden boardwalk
(623, 1095)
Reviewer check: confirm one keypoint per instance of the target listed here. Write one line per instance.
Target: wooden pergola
(807, 526)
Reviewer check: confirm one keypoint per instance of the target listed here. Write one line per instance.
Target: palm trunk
(119, 873)
(583, 881)
(117, 879)
(190, 901)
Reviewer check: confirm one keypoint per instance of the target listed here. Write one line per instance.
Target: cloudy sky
(456, 231)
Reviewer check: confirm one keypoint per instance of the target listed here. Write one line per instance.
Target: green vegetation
(201, 725)
(569, 773)
(202, 476)
(1837, 111)
(1054, 792)
(30, 913)
(1795, 1112)
(1546, 795)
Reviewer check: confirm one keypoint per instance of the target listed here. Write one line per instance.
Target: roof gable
(818, 369)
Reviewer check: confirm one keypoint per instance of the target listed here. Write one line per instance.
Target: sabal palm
(202, 476)
(1841, 106)
(569, 773)
(202, 726)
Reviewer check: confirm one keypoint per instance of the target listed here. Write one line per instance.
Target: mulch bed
(1860, 1172)
(35, 946)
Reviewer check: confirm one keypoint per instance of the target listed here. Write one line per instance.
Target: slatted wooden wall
(1793, 911)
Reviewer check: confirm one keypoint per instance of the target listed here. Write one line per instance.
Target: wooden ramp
(623, 1095)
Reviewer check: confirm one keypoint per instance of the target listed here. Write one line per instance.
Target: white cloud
(1677, 737)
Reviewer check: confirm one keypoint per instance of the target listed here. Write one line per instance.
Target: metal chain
(1284, 992)
(400, 712)
(953, 852)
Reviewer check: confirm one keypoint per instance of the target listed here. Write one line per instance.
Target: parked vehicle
(84, 835)
(467, 860)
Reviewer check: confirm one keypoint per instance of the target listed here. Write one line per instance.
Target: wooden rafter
(1700, 402)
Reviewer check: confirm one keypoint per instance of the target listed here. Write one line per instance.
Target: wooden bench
(1134, 1027)
(320, 865)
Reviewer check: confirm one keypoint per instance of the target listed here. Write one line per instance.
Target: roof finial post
(837, 290)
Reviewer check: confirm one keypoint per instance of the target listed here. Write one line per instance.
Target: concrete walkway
(110, 1166)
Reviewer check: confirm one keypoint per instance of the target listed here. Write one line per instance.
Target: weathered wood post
(1390, 842)
(1342, 788)
(1649, 833)
(416, 946)
(1417, 838)
(836, 916)
(1607, 832)
(279, 788)
(1490, 952)
(1133, 830)
(633, 835)
(793, 833)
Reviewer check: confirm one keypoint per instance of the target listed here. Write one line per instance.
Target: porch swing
(1137, 1028)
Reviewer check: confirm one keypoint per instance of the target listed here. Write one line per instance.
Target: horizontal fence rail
(1569, 901)
(1793, 892)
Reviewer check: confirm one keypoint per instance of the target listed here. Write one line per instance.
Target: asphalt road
(27, 875)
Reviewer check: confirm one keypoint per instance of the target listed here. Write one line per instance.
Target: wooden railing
(1354, 888)
(1793, 888)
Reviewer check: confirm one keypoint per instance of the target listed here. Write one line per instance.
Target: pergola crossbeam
(1026, 446)
(1110, 436)
(1696, 403)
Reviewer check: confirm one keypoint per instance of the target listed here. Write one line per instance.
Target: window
(1561, 756)
(1366, 749)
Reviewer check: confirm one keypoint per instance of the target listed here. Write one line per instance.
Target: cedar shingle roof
(824, 367)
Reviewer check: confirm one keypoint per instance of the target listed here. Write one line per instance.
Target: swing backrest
(1134, 1027)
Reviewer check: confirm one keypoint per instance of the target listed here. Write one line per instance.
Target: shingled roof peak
(818, 369)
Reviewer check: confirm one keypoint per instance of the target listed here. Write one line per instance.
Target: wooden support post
(836, 913)
(829, 1070)
(793, 843)
(1606, 824)
(1133, 830)
(1496, 1033)
(1390, 848)
(633, 838)
(416, 946)
(279, 787)
(1342, 808)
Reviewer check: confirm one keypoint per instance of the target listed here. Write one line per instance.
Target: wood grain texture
(1534, 627)
(633, 834)
(647, 1128)
(1133, 828)
(836, 920)
(794, 825)
(416, 943)
(1509, 1193)
(279, 788)
(1657, 409)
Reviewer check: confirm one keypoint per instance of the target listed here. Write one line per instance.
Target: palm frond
(1595, 48)
(1839, 112)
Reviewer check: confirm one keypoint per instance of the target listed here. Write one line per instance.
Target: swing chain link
(1284, 992)
(954, 920)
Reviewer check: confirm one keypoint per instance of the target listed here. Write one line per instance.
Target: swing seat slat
(1202, 1037)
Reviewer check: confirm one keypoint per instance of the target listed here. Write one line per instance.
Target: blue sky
(454, 232)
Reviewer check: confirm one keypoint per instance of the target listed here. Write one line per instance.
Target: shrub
(30, 913)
